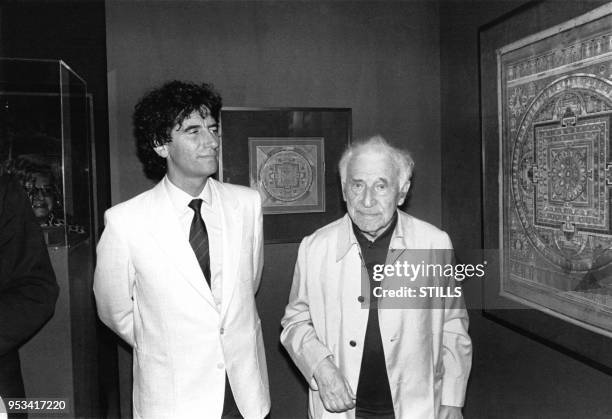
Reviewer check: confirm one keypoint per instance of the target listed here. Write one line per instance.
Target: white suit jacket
(427, 351)
(151, 291)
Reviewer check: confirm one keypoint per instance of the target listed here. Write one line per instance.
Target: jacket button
(222, 330)
(360, 299)
(353, 343)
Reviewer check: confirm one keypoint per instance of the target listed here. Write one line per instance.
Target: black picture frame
(585, 345)
(333, 125)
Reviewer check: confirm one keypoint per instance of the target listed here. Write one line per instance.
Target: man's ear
(342, 185)
(161, 150)
(402, 194)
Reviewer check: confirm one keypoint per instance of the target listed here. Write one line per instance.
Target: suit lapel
(231, 222)
(167, 233)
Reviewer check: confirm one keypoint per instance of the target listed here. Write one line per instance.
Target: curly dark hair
(160, 110)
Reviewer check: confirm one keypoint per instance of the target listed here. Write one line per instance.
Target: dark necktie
(198, 238)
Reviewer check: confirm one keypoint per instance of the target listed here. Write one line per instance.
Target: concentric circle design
(286, 175)
(568, 175)
(562, 200)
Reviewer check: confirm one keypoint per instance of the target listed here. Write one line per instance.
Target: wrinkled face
(372, 192)
(40, 190)
(192, 153)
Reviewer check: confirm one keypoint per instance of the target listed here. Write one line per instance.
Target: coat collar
(232, 221)
(399, 241)
(181, 199)
(167, 232)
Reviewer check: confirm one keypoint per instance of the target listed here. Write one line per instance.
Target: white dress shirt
(211, 215)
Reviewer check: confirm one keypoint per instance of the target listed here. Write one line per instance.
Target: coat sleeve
(299, 336)
(456, 347)
(258, 254)
(28, 288)
(114, 279)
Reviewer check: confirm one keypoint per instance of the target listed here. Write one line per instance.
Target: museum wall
(378, 58)
(512, 376)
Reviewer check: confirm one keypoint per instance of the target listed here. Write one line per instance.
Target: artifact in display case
(45, 142)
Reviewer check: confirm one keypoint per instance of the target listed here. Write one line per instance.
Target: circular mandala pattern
(568, 175)
(286, 175)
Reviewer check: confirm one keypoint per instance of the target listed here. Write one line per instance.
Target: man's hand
(335, 391)
(450, 412)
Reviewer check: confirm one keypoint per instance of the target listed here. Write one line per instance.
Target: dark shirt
(373, 391)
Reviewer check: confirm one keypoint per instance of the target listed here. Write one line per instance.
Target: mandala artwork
(556, 116)
(288, 173)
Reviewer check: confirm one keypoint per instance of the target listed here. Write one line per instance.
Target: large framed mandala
(547, 137)
(290, 156)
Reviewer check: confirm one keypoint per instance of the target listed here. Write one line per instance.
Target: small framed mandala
(290, 156)
(289, 174)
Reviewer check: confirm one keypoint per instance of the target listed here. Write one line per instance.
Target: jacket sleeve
(114, 279)
(299, 336)
(28, 288)
(258, 254)
(456, 347)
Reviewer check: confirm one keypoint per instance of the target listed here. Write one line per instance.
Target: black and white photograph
(306, 209)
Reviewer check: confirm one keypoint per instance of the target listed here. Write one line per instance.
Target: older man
(402, 363)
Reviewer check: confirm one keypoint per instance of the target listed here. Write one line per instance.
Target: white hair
(401, 158)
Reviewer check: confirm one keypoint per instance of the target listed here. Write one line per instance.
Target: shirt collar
(346, 237)
(386, 235)
(181, 199)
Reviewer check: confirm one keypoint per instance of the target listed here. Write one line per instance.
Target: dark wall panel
(75, 32)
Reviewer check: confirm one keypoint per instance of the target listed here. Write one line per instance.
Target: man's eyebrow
(193, 126)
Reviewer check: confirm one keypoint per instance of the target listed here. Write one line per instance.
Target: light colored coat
(427, 351)
(151, 291)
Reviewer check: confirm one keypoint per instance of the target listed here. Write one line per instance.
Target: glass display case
(45, 141)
